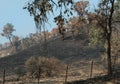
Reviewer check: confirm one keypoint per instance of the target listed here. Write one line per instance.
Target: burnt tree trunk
(109, 33)
(109, 55)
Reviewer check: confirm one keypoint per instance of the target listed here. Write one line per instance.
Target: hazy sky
(11, 11)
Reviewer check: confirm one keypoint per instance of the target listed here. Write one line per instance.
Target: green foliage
(96, 36)
(43, 66)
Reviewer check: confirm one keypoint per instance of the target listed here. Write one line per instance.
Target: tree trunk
(109, 37)
(109, 54)
(10, 41)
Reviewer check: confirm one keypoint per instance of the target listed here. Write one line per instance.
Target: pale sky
(11, 11)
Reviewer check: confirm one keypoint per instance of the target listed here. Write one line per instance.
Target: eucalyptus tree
(40, 10)
(8, 29)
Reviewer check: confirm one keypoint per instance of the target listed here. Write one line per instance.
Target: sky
(11, 11)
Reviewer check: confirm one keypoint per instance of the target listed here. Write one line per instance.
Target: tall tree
(40, 9)
(7, 32)
(105, 20)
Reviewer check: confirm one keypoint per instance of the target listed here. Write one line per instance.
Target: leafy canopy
(7, 30)
(40, 9)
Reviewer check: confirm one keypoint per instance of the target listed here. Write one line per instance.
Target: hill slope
(68, 51)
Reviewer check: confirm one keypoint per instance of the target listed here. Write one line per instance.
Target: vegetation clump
(37, 67)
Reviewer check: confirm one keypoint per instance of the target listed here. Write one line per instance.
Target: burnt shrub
(44, 67)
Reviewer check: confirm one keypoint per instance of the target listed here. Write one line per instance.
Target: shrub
(44, 67)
